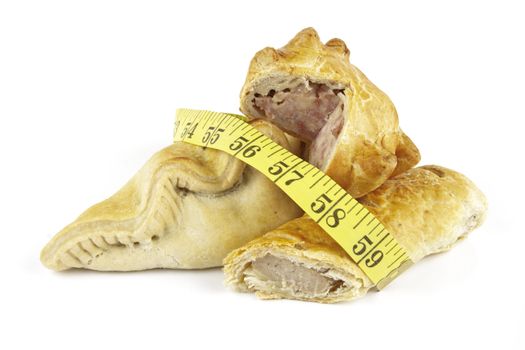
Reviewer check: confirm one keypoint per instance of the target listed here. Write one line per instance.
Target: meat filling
(285, 275)
(304, 110)
(325, 141)
(311, 111)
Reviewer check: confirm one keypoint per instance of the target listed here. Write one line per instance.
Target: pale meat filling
(311, 111)
(271, 272)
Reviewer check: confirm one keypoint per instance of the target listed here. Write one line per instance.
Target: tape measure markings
(316, 193)
(371, 249)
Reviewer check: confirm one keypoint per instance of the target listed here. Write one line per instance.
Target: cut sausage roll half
(426, 209)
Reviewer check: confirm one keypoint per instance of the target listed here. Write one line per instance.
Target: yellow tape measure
(360, 234)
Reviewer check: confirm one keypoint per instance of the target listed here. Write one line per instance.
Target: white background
(88, 91)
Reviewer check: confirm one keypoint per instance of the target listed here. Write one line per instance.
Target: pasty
(186, 208)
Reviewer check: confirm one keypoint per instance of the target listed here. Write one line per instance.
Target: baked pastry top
(311, 90)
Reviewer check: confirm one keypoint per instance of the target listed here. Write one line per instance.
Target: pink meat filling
(311, 111)
(303, 111)
(324, 143)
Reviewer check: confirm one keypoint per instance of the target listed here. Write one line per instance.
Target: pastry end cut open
(311, 90)
(312, 111)
(284, 265)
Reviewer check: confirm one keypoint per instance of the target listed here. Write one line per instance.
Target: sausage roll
(426, 209)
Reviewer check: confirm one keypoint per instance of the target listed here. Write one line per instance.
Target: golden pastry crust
(186, 208)
(371, 146)
(427, 209)
(407, 155)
